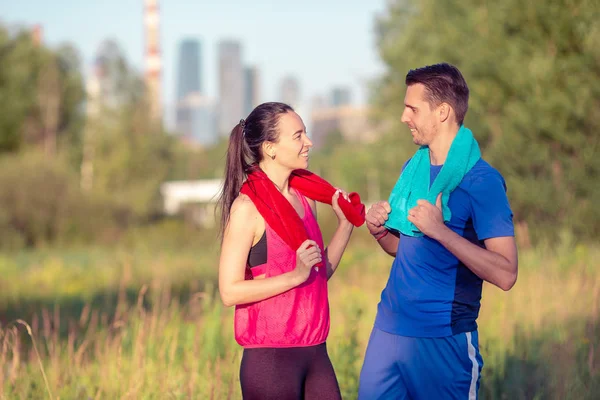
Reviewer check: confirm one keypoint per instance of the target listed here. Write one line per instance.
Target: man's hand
(427, 217)
(376, 217)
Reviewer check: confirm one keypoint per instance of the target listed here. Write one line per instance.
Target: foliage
(533, 72)
(41, 204)
(41, 91)
(69, 162)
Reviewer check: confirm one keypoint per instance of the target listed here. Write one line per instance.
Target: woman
(273, 265)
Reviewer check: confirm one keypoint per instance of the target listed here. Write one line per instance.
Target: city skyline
(337, 49)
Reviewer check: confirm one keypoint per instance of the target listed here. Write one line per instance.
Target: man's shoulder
(483, 168)
(406, 163)
(481, 175)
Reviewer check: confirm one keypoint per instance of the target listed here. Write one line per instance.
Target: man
(424, 343)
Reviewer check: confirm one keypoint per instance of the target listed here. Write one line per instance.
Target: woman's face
(291, 150)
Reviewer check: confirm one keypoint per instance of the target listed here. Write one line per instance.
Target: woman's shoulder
(243, 205)
(243, 209)
(312, 204)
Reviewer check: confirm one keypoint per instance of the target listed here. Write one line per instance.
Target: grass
(148, 324)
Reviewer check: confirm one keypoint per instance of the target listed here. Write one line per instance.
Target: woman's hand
(336, 207)
(307, 256)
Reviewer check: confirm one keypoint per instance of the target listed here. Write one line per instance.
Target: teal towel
(414, 184)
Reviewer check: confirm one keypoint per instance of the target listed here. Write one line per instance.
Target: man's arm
(389, 242)
(497, 263)
(375, 219)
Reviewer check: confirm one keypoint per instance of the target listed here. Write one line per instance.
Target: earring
(272, 156)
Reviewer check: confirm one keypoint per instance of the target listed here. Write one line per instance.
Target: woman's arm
(337, 246)
(341, 236)
(237, 241)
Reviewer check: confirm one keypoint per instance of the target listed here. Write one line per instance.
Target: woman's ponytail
(236, 166)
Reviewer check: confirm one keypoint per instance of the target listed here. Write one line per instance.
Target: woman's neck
(278, 175)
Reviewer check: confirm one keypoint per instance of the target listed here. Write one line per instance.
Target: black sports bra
(258, 252)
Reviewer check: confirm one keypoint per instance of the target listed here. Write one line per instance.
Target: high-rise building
(188, 78)
(231, 86)
(318, 102)
(353, 123)
(341, 96)
(290, 91)
(103, 93)
(196, 117)
(192, 108)
(104, 83)
(251, 89)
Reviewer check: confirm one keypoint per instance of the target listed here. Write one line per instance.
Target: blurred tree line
(533, 70)
(75, 168)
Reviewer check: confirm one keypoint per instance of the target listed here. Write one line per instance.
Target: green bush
(41, 204)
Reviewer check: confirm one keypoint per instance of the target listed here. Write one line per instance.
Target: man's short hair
(444, 84)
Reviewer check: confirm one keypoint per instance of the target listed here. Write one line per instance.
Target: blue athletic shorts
(400, 367)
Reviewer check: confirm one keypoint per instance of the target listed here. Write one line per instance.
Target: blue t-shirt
(430, 293)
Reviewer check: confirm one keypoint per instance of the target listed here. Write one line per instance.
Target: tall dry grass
(172, 340)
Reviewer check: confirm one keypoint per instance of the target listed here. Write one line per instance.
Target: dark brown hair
(245, 151)
(444, 84)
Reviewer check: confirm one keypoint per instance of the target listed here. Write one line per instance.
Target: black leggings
(288, 374)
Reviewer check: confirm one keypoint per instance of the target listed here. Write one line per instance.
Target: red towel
(281, 215)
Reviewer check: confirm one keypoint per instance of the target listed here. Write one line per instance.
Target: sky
(323, 43)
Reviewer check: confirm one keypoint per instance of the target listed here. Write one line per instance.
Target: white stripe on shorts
(474, 370)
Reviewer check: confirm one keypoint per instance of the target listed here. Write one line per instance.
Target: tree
(533, 71)
(18, 57)
(126, 156)
(41, 92)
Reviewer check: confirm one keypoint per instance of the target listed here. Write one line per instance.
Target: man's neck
(440, 146)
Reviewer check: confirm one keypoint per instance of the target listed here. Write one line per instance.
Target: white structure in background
(198, 196)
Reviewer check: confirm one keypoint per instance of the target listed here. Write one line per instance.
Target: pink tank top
(296, 318)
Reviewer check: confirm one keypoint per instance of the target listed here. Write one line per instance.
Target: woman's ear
(268, 149)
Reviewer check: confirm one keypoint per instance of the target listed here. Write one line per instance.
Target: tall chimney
(152, 59)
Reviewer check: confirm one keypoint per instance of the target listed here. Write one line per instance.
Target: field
(147, 323)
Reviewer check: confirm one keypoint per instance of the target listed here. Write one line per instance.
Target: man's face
(419, 116)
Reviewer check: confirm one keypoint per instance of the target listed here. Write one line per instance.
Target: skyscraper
(353, 123)
(231, 86)
(188, 78)
(341, 96)
(193, 111)
(104, 84)
(197, 119)
(251, 89)
(290, 91)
